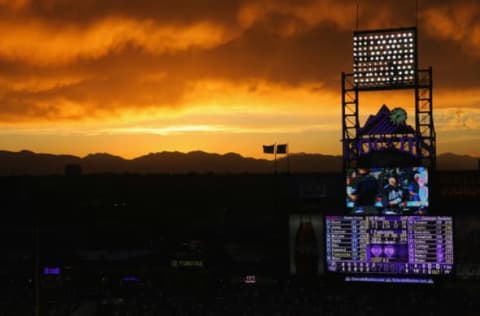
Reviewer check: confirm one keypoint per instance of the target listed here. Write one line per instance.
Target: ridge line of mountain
(27, 162)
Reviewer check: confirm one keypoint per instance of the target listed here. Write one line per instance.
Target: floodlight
(383, 57)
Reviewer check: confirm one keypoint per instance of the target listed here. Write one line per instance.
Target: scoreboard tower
(386, 231)
(387, 59)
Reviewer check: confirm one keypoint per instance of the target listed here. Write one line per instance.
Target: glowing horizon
(129, 79)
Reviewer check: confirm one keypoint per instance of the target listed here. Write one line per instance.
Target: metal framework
(425, 138)
(426, 147)
(350, 121)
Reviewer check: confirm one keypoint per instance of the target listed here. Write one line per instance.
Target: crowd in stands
(288, 297)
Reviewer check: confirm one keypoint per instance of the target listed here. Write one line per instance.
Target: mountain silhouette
(29, 163)
(451, 161)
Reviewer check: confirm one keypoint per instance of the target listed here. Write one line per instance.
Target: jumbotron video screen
(387, 191)
(389, 245)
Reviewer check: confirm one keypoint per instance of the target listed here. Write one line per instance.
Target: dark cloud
(283, 42)
(86, 11)
(317, 55)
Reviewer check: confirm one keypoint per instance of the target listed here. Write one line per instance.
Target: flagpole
(275, 158)
(288, 159)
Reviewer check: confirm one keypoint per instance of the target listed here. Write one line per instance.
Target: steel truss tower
(387, 60)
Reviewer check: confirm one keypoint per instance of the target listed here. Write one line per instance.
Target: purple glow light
(51, 271)
(376, 250)
(130, 279)
(389, 250)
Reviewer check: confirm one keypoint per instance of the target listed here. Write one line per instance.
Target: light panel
(384, 59)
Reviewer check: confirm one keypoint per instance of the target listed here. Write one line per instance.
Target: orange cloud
(38, 42)
(14, 5)
(343, 14)
(459, 24)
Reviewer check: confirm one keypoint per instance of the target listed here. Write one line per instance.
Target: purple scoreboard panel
(409, 245)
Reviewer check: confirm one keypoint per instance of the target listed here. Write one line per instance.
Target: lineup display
(387, 191)
(410, 245)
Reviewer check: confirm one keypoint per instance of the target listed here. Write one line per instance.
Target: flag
(282, 149)
(268, 149)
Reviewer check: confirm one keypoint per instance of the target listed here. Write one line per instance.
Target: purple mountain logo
(382, 124)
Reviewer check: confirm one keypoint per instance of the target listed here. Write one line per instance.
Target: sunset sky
(132, 77)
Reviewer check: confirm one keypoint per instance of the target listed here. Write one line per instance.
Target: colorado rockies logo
(398, 116)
